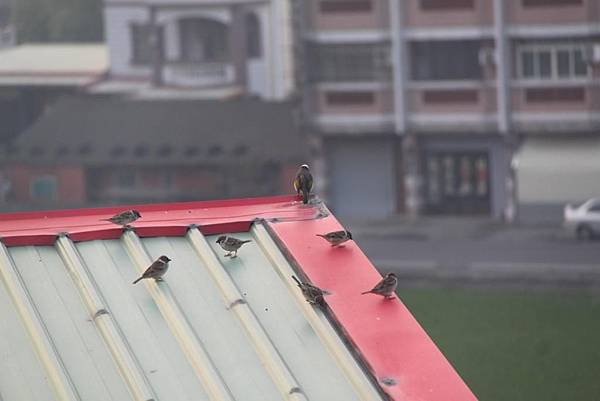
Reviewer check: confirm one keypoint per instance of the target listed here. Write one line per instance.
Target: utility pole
(503, 68)
(410, 150)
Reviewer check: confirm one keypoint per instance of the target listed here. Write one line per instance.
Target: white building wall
(270, 77)
(282, 65)
(118, 38)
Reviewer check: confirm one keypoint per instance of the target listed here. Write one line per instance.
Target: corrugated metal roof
(215, 329)
(53, 64)
(75, 328)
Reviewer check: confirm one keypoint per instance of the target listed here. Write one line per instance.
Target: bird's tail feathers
(304, 196)
(246, 241)
(135, 282)
(296, 280)
(321, 235)
(366, 292)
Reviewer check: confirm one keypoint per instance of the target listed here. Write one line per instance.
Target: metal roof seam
(317, 319)
(193, 348)
(118, 346)
(272, 360)
(59, 379)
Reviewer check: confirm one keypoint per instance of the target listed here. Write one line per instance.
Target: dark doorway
(457, 182)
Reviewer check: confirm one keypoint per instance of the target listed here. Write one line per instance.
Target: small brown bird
(157, 269)
(231, 244)
(336, 238)
(303, 182)
(313, 295)
(124, 218)
(385, 287)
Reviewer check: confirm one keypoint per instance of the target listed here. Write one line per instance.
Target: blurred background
(458, 139)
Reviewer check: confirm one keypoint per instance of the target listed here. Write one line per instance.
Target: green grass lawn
(511, 346)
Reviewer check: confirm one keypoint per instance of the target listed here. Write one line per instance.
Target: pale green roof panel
(216, 329)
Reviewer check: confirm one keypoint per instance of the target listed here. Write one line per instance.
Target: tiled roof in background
(102, 130)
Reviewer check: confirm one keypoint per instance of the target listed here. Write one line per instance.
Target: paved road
(481, 251)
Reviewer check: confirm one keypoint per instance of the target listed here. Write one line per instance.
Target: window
(544, 95)
(552, 61)
(338, 63)
(450, 96)
(551, 3)
(445, 60)
(350, 98)
(345, 6)
(126, 179)
(430, 5)
(141, 43)
(43, 188)
(253, 35)
(203, 40)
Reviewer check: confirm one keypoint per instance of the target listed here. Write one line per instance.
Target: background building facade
(421, 105)
(230, 47)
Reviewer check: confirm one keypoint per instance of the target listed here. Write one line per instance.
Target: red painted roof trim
(406, 363)
(171, 219)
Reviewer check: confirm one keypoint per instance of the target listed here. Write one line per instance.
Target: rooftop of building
(65, 64)
(216, 328)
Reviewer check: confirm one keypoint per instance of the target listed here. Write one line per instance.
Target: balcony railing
(198, 74)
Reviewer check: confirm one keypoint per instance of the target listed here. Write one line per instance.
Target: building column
(237, 44)
(155, 44)
(503, 94)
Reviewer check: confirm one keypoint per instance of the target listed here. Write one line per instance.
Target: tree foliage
(58, 20)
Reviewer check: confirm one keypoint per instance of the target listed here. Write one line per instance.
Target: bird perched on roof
(336, 238)
(157, 269)
(385, 287)
(303, 182)
(124, 218)
(313, 294)
(231, 244)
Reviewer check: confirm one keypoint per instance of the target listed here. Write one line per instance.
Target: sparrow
(124, 218)
(156, 270)
(303, 182)
(385, 287)
(231, 244)
(336, 238)
(313, 295)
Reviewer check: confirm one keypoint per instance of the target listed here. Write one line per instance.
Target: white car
(583, 220)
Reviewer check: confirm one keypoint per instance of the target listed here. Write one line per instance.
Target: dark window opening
(165, 150)
(140, 151)
(142, 43)
(542, 95)
(450, 96)
(350, 98)
(345, 6)
(203, 40)
(44, 188)
(62, 150)
(253, 36)
(445, 60)
(85, 149)
(355, 62)
(446, 4)
(192, 151)
(551, 3)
